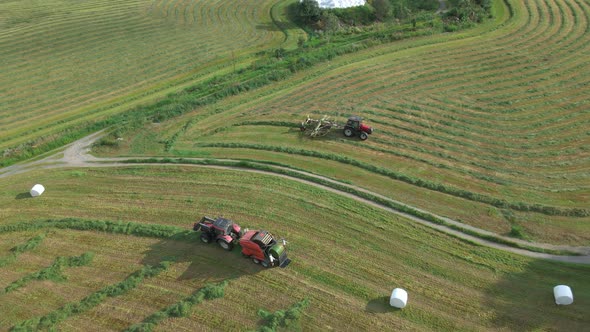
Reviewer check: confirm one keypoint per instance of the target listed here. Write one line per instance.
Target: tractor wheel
(225, 245)
(265, 264)
(348, 132)
(255, 261)
(364, 136)
(205, 237)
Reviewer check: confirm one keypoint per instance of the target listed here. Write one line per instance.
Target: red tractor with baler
(260, 245)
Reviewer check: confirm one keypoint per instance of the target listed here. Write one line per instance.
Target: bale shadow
(380, 305)
(206, 261)
(23, 195)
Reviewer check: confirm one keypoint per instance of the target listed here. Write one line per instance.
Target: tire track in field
(77, 155)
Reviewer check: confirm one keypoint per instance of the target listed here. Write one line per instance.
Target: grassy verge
(497, 202)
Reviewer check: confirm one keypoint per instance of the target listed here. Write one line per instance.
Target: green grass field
(347, 259)
(65, 63)
(487, 126)
(487, 129)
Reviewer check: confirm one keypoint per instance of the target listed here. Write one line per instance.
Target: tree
(382, 9)
(330, 22)
(309, 11)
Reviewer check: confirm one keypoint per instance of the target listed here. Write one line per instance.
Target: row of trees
(380, 10)
(329, 20)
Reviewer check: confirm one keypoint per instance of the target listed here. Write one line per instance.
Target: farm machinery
(353, 127)
(260, 245)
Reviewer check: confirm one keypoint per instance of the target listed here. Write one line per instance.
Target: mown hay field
(484, 126)
(65, 63)
(489, 129)
(347, 257)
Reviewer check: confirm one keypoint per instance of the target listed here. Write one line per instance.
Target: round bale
(37, 190)
(563, 295)
(399, 298)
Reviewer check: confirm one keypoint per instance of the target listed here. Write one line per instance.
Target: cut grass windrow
(181, 308)
(116, 227)
(19, 249)
(289, 318)
(50, 320)
(53, 272)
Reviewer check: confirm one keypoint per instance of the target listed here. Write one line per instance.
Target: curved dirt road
(76, 155)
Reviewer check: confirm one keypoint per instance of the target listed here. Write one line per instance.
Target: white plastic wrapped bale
(37, 190)
(563, 295)
(339, 3)
(399, 298)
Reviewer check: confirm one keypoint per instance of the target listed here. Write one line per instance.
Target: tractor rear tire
(225, 245)
(364, 136)
(348, 132)
(256, 261)
(205, 237)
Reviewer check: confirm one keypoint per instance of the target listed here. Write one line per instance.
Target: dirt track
(76, 155)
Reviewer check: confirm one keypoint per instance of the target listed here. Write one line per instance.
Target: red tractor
(223, 231)
(355, 126)
(264, 249)
(261, 246)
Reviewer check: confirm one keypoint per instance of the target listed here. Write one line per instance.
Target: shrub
(282, 318)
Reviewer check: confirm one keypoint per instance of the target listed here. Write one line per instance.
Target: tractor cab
(223, 231)
(355, 126)
(222, 226)
(354, 122)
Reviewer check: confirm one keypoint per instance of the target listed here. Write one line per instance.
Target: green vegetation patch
(272, 321)
(21, 248)
(50, 320)
(181, 308)
(53, 272)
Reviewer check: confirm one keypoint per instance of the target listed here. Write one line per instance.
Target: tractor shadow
(205, 261)
(23, 195)
(380, 305)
